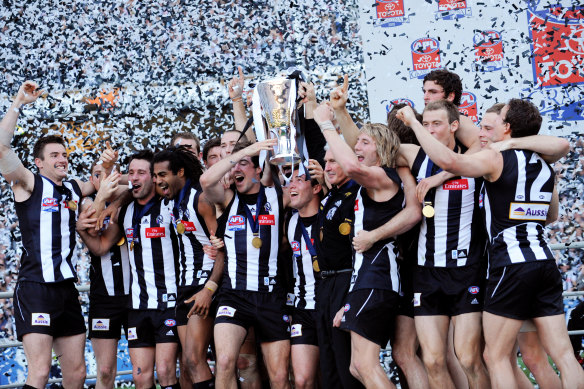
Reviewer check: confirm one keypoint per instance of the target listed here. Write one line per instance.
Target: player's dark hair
(242, 145)
(449, 107)
(403, 132)
(523, 117)
(449, 81)
(39, 146)
(179, 157)
(145, 155)
(186, 135)
(213, 142)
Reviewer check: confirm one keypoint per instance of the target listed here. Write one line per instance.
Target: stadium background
(134, 72)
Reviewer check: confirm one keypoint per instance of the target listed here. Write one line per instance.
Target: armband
(9, 162)
(211, 285)
(327, 126)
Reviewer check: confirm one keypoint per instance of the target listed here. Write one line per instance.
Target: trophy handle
(287, 179)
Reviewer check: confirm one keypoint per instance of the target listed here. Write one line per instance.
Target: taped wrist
(9, 162)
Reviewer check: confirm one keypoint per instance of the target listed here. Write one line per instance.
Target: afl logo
(486, 38)
(236, 220)
(398, 101)
(488, 48)
(473, 289)
(425, 46)
(575, 42)
(170, 322)
(468, 106)
(295, 245)
(50, 202)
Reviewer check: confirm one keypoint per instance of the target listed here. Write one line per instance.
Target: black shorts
(524, 291)
(107, 316)
(47, 308)
(303, 329)
(440, 291)
(266, 312)
(371, 314)
(182, 309)
(406, 298)
(148, 327)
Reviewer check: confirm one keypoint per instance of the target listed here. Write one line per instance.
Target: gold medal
(428, 209)
(121, 241)
(131, 246)
(321, 234)
(344, 228)
(256, 242)
(315, 266)
(180, 228)
(72, 205)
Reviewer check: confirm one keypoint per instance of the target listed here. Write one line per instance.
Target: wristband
(327, 126)
(236, 99)
(211, 285)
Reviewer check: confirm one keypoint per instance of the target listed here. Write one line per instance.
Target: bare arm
(468, 134)
(550, 148)
(235, 89)
(100, 244)
(20, 178)
(554, 209)
(400, 223)
(338, 100)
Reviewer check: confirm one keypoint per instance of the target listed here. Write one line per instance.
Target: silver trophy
(278, 102)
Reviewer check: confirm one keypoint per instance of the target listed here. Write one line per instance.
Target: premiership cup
(277, 99)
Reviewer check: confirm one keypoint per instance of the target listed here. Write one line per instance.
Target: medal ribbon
(306, 237)
(62, 190)
(181, 197)
(137, 218)
(254, 224)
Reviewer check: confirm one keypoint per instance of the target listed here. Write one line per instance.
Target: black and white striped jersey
(247, 267)
(516, 207)
(376, 268)
(153, 259)
(109, 274)
(304, 280)
(47, 225)
(195, 265)
(454, 236)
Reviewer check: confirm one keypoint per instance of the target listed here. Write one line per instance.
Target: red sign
(450, 5)
(155, 232)
(558, 46)
(189, 226)
(425, 56)
(356, 204)
(267, 220)
(468, 106)
(488, 50)
(460, 184)
(389, 9)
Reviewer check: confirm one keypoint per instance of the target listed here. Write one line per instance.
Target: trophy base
(285, 159)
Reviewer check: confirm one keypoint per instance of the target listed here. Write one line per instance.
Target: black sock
(28, 387)
(205, 384)
(175, 386)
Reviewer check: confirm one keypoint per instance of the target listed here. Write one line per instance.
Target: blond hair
(386, 141)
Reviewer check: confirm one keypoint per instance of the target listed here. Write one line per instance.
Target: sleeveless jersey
(305, 282)
(109, 274)
(195, 265)
(47, 225)
(152, 258)
(247, 267)
(453, 237)
(376, 268)
(516, 207)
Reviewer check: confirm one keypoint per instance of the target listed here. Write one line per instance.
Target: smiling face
(301, 191)
(334, 172)
(53, 162)
(228, 141)
(141, 179)
(492, 128)
(436, 122)
(167, 183)
(246, 176)
(366, 150)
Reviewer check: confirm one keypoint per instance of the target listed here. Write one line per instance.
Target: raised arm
(97, 244)
(550, 148)
(468, 134)
(211, 179)
(372, 177)
(20, 178)
(235, 89)
(487, 163)
(338, 100)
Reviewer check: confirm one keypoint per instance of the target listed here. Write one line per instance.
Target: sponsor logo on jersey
(286, 318)
(202, 274)
(459, 254)
(295, 248)
(417, 299)
(169, 333)
(425, 56)
(452, 9)
(268, 206)
(168, 297)
(331, 213)
(132, 333)
(160, 219)
(398, 101)
(100, 324)
(528, 211)
(488, 46)
(356, 205)
(267, 220)
(460, 184)
(129, 233)
(236, 223)
(390, 13)
(468, 106)
(347, 307)
(290, 297)
(170, 322)
(474, 301)
(473, 289)
(40, 319)
(189, 226)
(296, 330)
(225, 310)
(50, 204)
(155, 232)
(481, 200)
